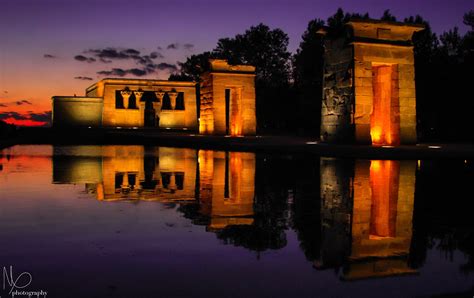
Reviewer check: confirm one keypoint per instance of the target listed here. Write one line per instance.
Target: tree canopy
(289, 86)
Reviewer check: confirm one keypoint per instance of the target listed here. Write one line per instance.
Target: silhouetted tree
(308, 76)
(262, 47)
(337, 21)
(194, 65)
(468, 40)
(388, 17)
(442, 68)
(266, 49)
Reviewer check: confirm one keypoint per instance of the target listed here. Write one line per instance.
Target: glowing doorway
(385, 118)
(233, 107)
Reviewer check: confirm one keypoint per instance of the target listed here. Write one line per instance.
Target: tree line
(289, 86)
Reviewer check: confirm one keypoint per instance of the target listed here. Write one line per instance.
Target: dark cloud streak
(84, 58)
(188, 46)
(83, 78)
(38, 117)
(173, 46)
(23, 102)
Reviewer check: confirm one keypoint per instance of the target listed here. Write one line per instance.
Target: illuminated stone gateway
(367, 213)
(222, 184)
(227, 104)
(130, 103)
(228, 100)
(369, 84)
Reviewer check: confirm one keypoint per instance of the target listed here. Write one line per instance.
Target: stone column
(126, 96)
(173, 95)
(100, 191)
(138, 96)
(137, 183)
(172, 185)
(125, 181)
(159, 94)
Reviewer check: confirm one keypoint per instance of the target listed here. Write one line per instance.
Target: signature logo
(21, 281)
(15, 283)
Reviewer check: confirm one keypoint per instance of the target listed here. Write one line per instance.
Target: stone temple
(369, 84)
(368, 93)
(225, 106)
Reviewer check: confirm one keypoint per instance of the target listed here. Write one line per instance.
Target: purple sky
(29, 29)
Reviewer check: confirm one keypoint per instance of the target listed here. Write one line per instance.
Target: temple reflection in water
(360, 221)
(221, 183)
(367, 217)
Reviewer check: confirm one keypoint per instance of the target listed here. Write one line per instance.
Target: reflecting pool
(138, 221)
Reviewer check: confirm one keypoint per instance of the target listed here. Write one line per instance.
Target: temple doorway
(233, 117)
(385, 118)
(150, 115)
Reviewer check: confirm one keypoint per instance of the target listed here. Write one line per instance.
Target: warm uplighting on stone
(382, 218)
(130, 103)
(228, 100)
(369, 84)
(227, 187)
(384, 184)
(385, 119)
(221, 183)
(367, 219)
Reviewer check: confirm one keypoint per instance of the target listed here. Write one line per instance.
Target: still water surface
(135, 221)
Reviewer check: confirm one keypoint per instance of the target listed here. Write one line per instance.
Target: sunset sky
(60, 47)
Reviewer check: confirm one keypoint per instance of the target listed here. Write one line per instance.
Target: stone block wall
(338, 96)
(77, 111)
(387, 184)
(353, 90)
(227, 202)
(239, 80)
(336, 206)
(175, 119)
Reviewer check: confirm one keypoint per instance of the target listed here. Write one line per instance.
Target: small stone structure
(228, 100)
(227, 104)
(222, 184)
(130, 103)
(77, 110)
(366, 216)
(369, 84)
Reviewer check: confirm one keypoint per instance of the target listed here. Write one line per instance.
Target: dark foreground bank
(277, 144)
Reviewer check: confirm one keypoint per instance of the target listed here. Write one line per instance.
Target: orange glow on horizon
(27, 122)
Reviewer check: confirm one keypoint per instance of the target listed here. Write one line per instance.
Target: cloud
(177, 46)
(84, 58)
(107, 55)
(48, 56)
(188, 46)
(159, 48)
(18, 103)
(155, 55)
(14, 115)
(40, 117)
(83, 78)
(139, 72)
(114, 72)
(132, 52)
(123, 72)
(23, 102)
(173, 46)
(37, 117)
(167, 66)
